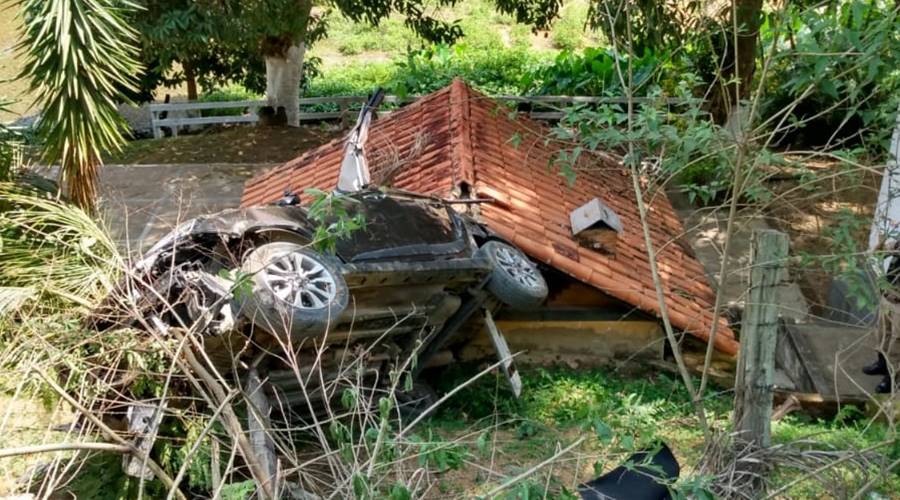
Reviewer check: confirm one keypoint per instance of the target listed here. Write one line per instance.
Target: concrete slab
(832, 356)
(143, 202)
(705, 231)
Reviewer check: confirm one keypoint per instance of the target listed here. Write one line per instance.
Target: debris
(644, 476)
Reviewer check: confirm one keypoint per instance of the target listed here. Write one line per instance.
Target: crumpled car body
(254, 279)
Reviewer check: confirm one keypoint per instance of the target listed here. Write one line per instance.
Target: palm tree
(79, 57)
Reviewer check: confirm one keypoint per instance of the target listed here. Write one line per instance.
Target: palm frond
(56, 249)
(79, 56)
(14, 297)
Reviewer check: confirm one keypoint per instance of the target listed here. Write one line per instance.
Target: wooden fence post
(759, 328)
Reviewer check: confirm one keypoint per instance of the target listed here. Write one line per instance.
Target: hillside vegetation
(369, 50)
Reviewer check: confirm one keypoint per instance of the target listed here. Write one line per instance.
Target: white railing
(551, 109)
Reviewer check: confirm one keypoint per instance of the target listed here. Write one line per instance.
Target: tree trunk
(283, 77)
(740, 60)
(81, 178)
(191, 79)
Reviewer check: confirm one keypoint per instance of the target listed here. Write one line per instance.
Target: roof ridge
(462, 155)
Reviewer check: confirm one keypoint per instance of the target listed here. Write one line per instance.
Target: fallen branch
(49, 448)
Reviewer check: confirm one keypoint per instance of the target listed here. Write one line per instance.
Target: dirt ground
(812, 212)
(235, 144)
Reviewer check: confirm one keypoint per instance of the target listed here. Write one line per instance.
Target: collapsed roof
(457, 142)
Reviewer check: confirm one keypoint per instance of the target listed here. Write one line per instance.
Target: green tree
(282, 30)
(79, 55)
(196, 42)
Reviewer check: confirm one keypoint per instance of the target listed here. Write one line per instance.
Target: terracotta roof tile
(465, 137)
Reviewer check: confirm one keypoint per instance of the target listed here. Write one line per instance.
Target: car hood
(231, 223)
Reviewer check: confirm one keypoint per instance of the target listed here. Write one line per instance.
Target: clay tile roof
(458, 137)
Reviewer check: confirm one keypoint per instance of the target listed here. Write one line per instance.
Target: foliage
(491, 71)
(560, 396)
(839, 61)
(568, 31)
(238, 491)
(78, 54)
(218, 43)
(594, 71)
(101, 478)
(54, 248)
(351, 80)
(351, 38)
(177, 32)
(8, 143)
(652, 24)
(496, 71)
(680, 143)
(335, 216)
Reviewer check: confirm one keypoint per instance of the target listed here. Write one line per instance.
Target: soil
(234, 144)
(810, 211)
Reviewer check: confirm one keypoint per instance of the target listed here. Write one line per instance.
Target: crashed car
(411, 277)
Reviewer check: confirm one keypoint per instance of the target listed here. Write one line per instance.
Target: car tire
(294, 290)
(413, 403)
(515, 280)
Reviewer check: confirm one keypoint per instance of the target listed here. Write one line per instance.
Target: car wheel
(515, 280)
(294, 289)
(416, 401)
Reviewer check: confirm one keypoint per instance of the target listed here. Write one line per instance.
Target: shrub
(568, 31)
(593, 72)
(498, 71)
(351, 80)
(850, 93)
(351, 38)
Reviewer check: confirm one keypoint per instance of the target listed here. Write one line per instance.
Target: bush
(351, 80)
(850, 93)
(351, 38)
(498, 71)
(593, 72)
(568, 31)
(423, 71)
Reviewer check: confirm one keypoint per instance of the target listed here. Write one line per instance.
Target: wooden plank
(206, 120)
(547, 115)
(830, 355)
(508, 364)
(190, 106)
(759, 328)
(143, 423)
(575, 343)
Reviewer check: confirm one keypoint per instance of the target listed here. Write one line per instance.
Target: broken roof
(458, 141)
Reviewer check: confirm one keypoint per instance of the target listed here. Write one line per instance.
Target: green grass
(623, 413)
(568, 32)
